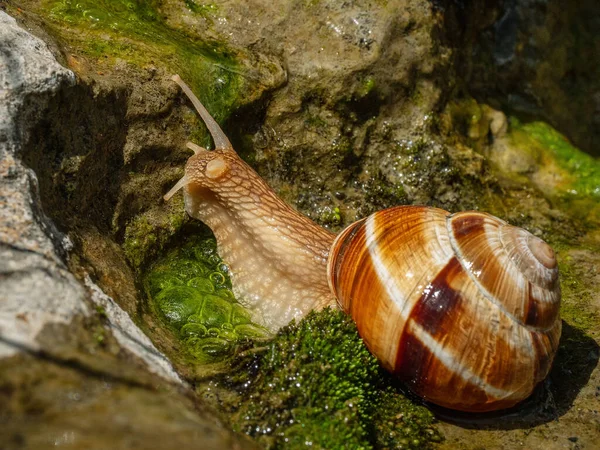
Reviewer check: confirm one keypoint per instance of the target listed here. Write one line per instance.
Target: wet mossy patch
(316, 384)
(564, 174)
(583, 169)
(190, 291)
(202, 8)
(580, 172)
(113, 32)
(148, 233)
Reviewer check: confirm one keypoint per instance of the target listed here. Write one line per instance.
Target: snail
(462, 307)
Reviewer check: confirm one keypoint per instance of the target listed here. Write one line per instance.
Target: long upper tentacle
(221, 141)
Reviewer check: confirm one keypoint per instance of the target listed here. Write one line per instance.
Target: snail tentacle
(277, 257)
(221, 141)
(195, 148)
(180, 184)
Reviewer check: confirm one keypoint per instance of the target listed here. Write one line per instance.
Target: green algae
(467, 115)
(135, 31)
(147, 233)
(565, 174)
(381, 194)
(316, 384)
(329, 216)
(581, 172)
(201, 8)
(532, 154)
(190, 290)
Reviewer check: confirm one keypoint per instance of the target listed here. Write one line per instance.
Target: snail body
(273, 252)
(463, 307)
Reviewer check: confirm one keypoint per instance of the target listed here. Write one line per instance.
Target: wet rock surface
(533, 58)
(36, 287)
(75, 371)
(344, 109)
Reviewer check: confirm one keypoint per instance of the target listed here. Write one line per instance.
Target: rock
(343, 108)
(36, 287)
(67, 348)
(343, 122)
(535, 58)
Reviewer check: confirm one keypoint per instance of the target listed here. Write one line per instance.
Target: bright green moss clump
(313, 384)
(564, 173)
(190, 290)
(582, 171)
(317, 385)
(135, 31)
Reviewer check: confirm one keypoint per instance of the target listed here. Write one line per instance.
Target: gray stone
(36, 289)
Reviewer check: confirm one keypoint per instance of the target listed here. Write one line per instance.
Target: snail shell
(463, 307)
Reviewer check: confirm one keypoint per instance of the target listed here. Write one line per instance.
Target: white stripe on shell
(395, 295)
(507, 264)
(448, 360)
(383, 274)
(389, 279)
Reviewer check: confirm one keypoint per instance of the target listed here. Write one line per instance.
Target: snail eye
(216, 168)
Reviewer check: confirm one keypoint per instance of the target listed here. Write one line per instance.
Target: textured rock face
(343, 108)
(363, 81)
(535, 58)
(36, 287)
(60, 339)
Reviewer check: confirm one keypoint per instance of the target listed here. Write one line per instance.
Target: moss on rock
(561, 171)
(190, 290)
(147, 233)
(135, 31)
(316, 384)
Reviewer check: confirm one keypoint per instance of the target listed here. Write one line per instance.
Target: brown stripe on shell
(434, 311)
(533, 315)
(543, 306)
(437, 383)
(489, 361)
(467, 224)
(445, 387)
(412, 363)
(439, 301)
(492, 257)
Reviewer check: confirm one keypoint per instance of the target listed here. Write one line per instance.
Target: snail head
(206, 169)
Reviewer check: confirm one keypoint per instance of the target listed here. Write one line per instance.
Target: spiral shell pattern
(462, 307)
